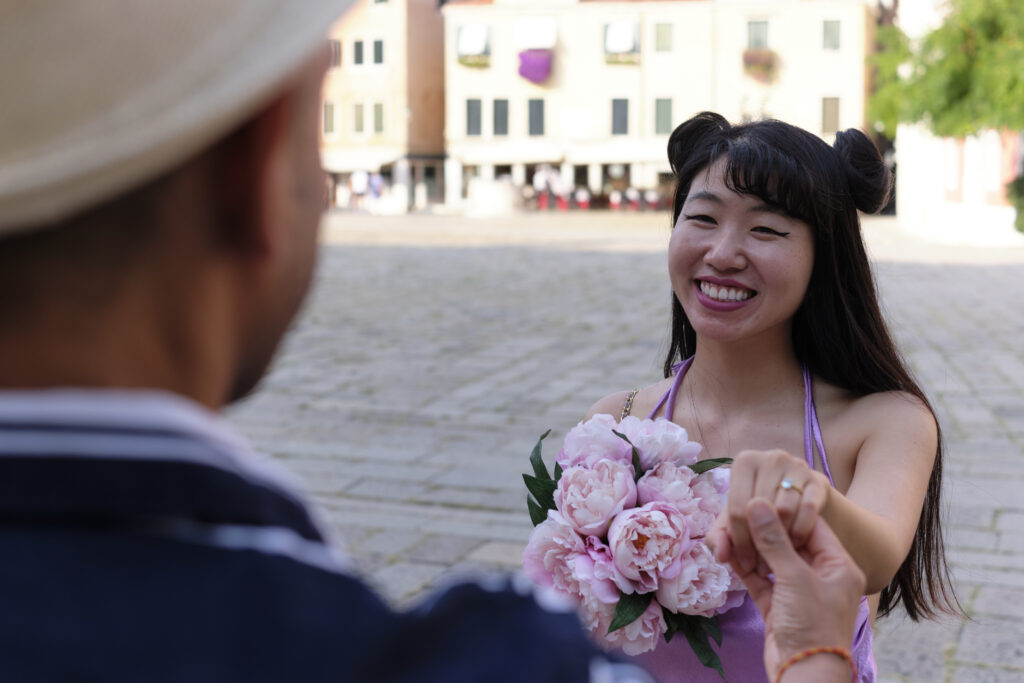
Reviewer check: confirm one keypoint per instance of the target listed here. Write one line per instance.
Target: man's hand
(816, 590)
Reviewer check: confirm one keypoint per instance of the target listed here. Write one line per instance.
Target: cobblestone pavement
(435, 349)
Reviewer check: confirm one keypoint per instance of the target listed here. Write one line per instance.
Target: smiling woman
(777, 330)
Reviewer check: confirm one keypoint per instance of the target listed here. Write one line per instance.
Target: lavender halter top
(742, 628)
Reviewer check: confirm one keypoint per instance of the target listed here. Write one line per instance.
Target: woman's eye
(765, 230)
(701, 218)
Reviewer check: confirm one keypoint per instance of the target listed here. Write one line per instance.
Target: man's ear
(249, 181)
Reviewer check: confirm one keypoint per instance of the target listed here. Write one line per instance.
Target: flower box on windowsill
(475, 61)
(760, 64)
(622, 57)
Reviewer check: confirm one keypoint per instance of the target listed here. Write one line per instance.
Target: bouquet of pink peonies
(620, 530)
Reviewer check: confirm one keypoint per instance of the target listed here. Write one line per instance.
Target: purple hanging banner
(535, 65)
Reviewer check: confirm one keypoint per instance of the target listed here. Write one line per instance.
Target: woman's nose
(726, 253)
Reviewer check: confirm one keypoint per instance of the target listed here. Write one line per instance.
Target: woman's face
(738, 266)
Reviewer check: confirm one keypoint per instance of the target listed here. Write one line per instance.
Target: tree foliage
(965, 76)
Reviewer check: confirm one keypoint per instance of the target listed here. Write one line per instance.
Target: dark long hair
(838, 331)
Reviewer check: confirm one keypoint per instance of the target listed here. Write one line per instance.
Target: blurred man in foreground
(160, 194)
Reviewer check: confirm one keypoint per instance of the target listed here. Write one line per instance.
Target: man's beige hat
(99, 96)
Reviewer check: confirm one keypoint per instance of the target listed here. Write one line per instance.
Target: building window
(663, 37)
(536, 117)
(357, 118)
(472, 44)
(830, 38)
(663, 116)
(472, 117)
(378, 118)
(378, 52)
(357, 52)
(829, 115)
(335, 53)
(757, 35)
(328, 116)
(501, 117)
(622, 42)
(620, 117)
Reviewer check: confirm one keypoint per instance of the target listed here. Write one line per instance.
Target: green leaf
(629, 608)
(697, 637)
(558, 472)
(543, 490)
(703, 466)
(637, 469)
(537, 513)
(539, 469)
(711, 627)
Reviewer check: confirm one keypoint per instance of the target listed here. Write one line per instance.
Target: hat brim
(134, 90)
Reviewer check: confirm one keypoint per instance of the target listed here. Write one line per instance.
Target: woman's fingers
(742, 479)
(812, 502)
(796, 492)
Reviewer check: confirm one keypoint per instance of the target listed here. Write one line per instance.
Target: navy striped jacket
(140, 542)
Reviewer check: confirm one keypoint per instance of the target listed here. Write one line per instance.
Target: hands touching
(813, 600)
(798, 494)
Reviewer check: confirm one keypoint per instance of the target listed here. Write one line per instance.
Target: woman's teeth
(724, 293)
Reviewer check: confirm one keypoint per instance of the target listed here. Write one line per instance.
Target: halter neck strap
(812, 430)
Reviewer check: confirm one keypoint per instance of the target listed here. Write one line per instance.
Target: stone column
(452, 182)
(400, 183)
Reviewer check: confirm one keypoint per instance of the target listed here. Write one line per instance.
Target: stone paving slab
(435, 349)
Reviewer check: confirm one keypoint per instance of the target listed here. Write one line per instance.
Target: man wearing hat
(160, 192)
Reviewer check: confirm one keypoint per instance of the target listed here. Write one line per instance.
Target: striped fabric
(142, 540)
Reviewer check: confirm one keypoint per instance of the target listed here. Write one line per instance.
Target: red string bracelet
(810, 652)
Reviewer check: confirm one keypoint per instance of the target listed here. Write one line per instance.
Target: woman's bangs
(764, 172)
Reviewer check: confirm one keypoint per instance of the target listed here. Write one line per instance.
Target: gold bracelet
(810, 652)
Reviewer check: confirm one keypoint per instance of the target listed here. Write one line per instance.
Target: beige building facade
(383, 103)
(592, 89)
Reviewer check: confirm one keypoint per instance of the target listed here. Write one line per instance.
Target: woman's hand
(798, 494)
(813, 599)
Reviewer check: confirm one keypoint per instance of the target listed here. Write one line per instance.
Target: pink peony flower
(701, 588)
(711, 491)
(659, 441)
(597, 570)
(699, 497)
(591, 441)
(737, 592)
(550, 554)
(642, 635)
(647, 542)
(596, 613)
(588, 498)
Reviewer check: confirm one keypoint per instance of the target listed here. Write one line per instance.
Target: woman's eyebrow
(769, 208)
(705, 195)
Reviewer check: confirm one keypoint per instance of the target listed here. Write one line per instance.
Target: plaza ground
(434, 350)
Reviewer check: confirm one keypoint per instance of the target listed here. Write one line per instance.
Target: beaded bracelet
(810, 652)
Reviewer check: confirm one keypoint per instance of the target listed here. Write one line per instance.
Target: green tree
(965, 76)
(887, 106)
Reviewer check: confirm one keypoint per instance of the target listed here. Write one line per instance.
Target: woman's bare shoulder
(642, 405)
(882, 415)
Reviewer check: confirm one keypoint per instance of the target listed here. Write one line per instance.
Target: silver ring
(787, 485)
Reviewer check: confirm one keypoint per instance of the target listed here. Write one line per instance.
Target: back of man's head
(155, 153)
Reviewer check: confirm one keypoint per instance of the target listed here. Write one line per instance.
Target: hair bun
(686, 135)
(869, 179)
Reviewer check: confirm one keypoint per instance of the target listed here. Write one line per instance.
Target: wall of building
(424, 70)
(702, 69)
(345, 149)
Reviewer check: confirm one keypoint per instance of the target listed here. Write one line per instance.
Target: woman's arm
(875, 520)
